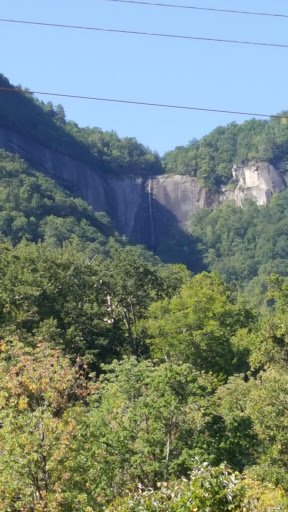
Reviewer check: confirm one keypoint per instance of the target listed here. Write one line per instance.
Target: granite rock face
(171, 201)
(258, 181)
(143, 209)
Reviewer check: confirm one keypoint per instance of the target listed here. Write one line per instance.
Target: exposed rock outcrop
(171, 200)
(258, 181)
(145, 210)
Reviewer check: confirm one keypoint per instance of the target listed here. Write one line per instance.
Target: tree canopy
(211, 158)
(245, 245)
(46, 123)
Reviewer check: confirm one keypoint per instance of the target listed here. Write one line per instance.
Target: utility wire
(153, 34)
(142, 103)
(192, 7)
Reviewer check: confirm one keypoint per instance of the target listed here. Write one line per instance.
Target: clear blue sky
(184, 72)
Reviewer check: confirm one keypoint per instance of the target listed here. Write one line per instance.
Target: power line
(192, 7)
(142, 103)
(138, 33)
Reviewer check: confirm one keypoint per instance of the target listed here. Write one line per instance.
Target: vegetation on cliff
(34, 207)
(46, 124)
(211, 158)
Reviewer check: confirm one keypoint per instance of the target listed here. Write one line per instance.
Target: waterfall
(151, 220)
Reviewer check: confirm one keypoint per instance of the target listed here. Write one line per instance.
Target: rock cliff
(257, 180)
(145, 210)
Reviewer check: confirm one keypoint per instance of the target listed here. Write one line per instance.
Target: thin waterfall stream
(151, 220)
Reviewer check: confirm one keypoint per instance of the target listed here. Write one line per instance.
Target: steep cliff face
(257, 180)
(145, 210)
(168, 202)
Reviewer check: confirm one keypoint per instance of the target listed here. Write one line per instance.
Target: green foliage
(197, 325)
(145, 421)
(258, 401)
(127, 384)
(41, 403)
(131, 285)
(57, 295)
(211, 158)
(208, 489)
(47, 124)
(151, 435)
(35, 208)
(85, 308)
(245, 245)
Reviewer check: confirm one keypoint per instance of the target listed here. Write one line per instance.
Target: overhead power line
(195, 8)
(141, 103)
(139, 33)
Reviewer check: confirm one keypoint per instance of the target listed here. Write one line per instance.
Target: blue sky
(202, 74)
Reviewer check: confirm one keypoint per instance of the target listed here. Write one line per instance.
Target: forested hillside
(245, 245)
(125, 384)
(35, 208)
(191, 414)
(128, 385)
(211, 158)
(47, 124)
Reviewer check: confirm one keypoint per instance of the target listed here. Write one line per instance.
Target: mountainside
(212, 158)
(34, 207)
(128, 384)
(117, 176)
(145, 209)
(46, 124)
(245, 245)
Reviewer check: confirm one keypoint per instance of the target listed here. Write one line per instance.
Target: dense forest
(211, 158)
(36, 208)
(245, 245)
(129, 385)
